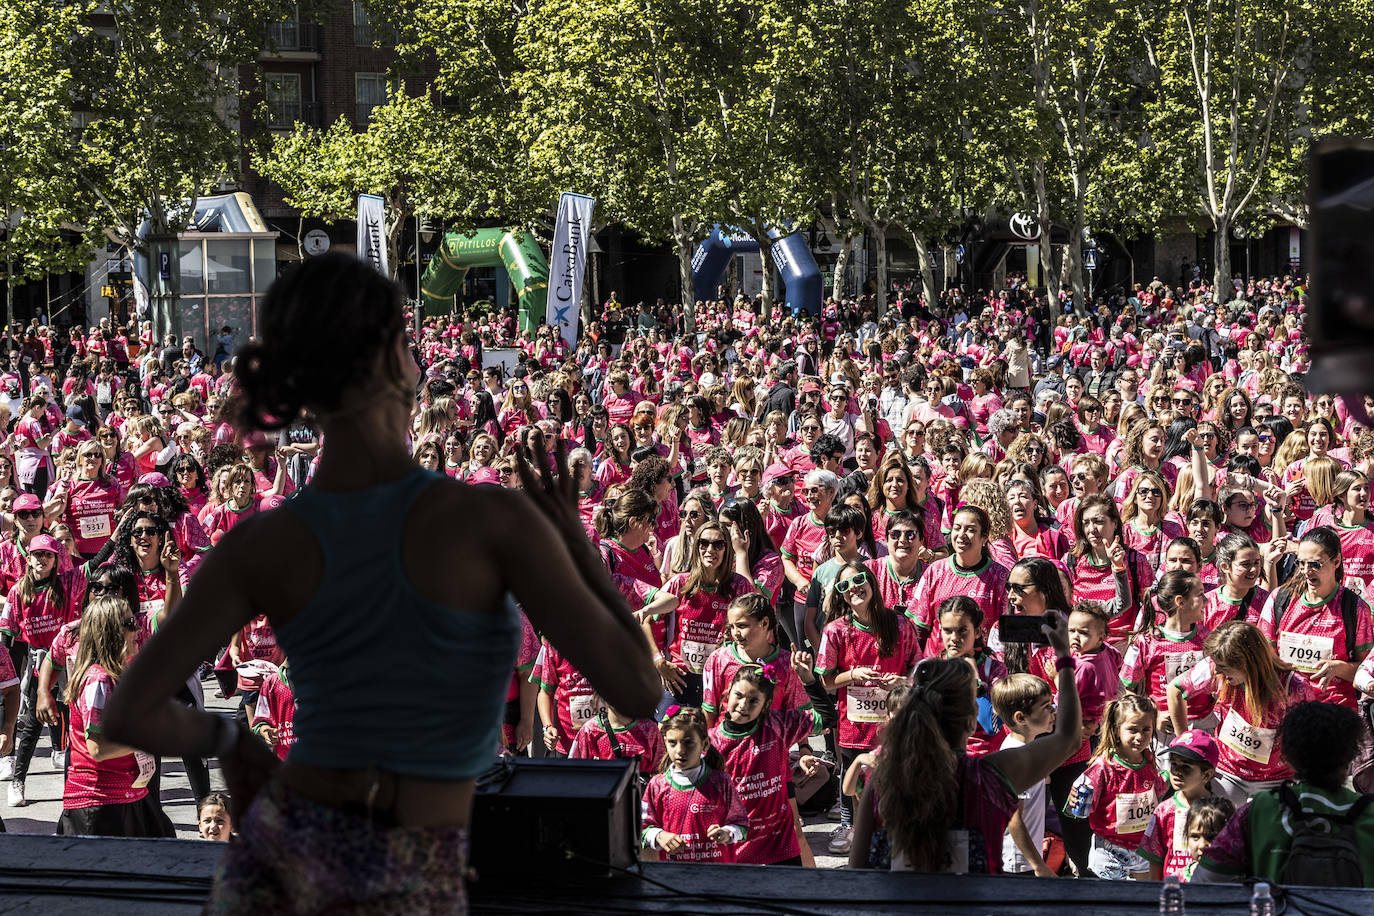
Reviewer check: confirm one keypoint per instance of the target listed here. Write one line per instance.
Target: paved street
(44, 788)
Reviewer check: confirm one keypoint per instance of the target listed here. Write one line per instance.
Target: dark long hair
(124, 552)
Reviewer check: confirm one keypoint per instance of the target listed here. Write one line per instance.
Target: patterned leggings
(296, 855)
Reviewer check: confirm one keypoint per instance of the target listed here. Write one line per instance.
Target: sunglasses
(904, 534)
(843, 587)
(102, 588)
(711, 543)
(1020, 588)
(810, 429)
(690, 513)
(1150, 491)
(143, 532)
(28, 513)
(1310, 565)
(1182, 402)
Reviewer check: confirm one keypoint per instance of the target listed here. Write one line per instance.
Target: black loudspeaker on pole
(1340, 308)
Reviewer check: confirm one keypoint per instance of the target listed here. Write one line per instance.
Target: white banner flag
(568, 263)
(372, 232)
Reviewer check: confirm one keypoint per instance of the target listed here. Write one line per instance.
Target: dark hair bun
(320, 329)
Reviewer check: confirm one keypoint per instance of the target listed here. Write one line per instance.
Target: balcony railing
(373, 34)
(283, 114)
(293, 35)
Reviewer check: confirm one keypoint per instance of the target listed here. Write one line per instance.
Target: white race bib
(94, 526)
(1133, 810)
(865, 704)
(151, 608)
(1355, 584)
(147, 765)
(584, 708)
(695, 654)
(1249, 741)
(1176, 663)
(1304, 651)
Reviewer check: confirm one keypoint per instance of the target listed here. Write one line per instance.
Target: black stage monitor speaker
(529, 814)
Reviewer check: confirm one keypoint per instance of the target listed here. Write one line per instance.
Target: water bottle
(1261, 901)
(1171, 897)
(1085, 801)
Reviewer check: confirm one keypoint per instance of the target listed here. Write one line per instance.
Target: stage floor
(56, 875)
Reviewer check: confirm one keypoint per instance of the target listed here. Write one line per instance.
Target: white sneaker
(17, 799)
(840, 840)
(7, 767)
(59, 760)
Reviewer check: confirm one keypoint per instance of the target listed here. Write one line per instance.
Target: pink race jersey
(1249, 750)
(37, 621)
(726, 661)
(690, 809)
(700, 620)
(757, 761)
(1159, 656)
(91, 782)
(641, 740)
(574, 699)
(804, 538)
(1124, 797)
(1166, 840)
(985, 584)
(1221, 608)
(898, 592)
(847, 644)
(277, 707)
(1307, 635)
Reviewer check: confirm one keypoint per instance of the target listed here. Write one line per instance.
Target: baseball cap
(1196, 745)
(45, 542)
(256, 439)
(776, 471)
(155, 479)
(487, 476)
(77, 414)
(26, 502)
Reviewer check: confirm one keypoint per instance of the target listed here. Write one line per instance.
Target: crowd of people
(998, 585)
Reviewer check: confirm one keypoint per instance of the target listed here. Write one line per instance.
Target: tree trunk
(1223, 290)
(1042, 214)
(927, 264)
(880, 255)
(837, 285)
(685, 248)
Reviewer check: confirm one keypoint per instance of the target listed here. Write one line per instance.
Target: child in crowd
(1192, 764)
(1024, 704)
(691, 811)
(1125, 786)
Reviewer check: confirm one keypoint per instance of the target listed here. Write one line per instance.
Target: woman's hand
(804, 664)
(1333, 669)
(1056, 629)
(717, 834)
(171, 556)
(551, 737)
(671, 675)
(1117, 554)
(46, 710)
(862, 674)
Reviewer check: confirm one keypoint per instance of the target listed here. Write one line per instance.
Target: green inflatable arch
(518, 252)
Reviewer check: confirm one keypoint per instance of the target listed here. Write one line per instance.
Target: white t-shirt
(1032, 815)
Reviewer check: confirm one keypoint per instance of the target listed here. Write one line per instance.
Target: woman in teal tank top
(391, 590)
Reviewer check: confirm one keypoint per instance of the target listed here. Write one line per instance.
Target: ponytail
(918, 773)
(690, 720)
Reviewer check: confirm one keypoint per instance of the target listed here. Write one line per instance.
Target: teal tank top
(383, 676)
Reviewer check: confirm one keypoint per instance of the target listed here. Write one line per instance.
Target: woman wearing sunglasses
(106, 790)
(701, 598)
(1144, 520)
(1320, 628)
(121, 465)
(866, 650)
(29, 521)
(86, 503)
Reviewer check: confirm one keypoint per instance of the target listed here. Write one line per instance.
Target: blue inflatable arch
(800, 275)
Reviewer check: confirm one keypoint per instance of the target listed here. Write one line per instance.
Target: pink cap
(1186, 384)
(485, 477)
(1197, 744)
(155, 479)
(776, 471)
(27, 502)
(271, 502)
(45, 542)
(256, 439)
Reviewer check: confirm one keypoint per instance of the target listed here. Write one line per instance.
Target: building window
(286, 35)
(283, 99)
(368, 34)
(371, 92)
